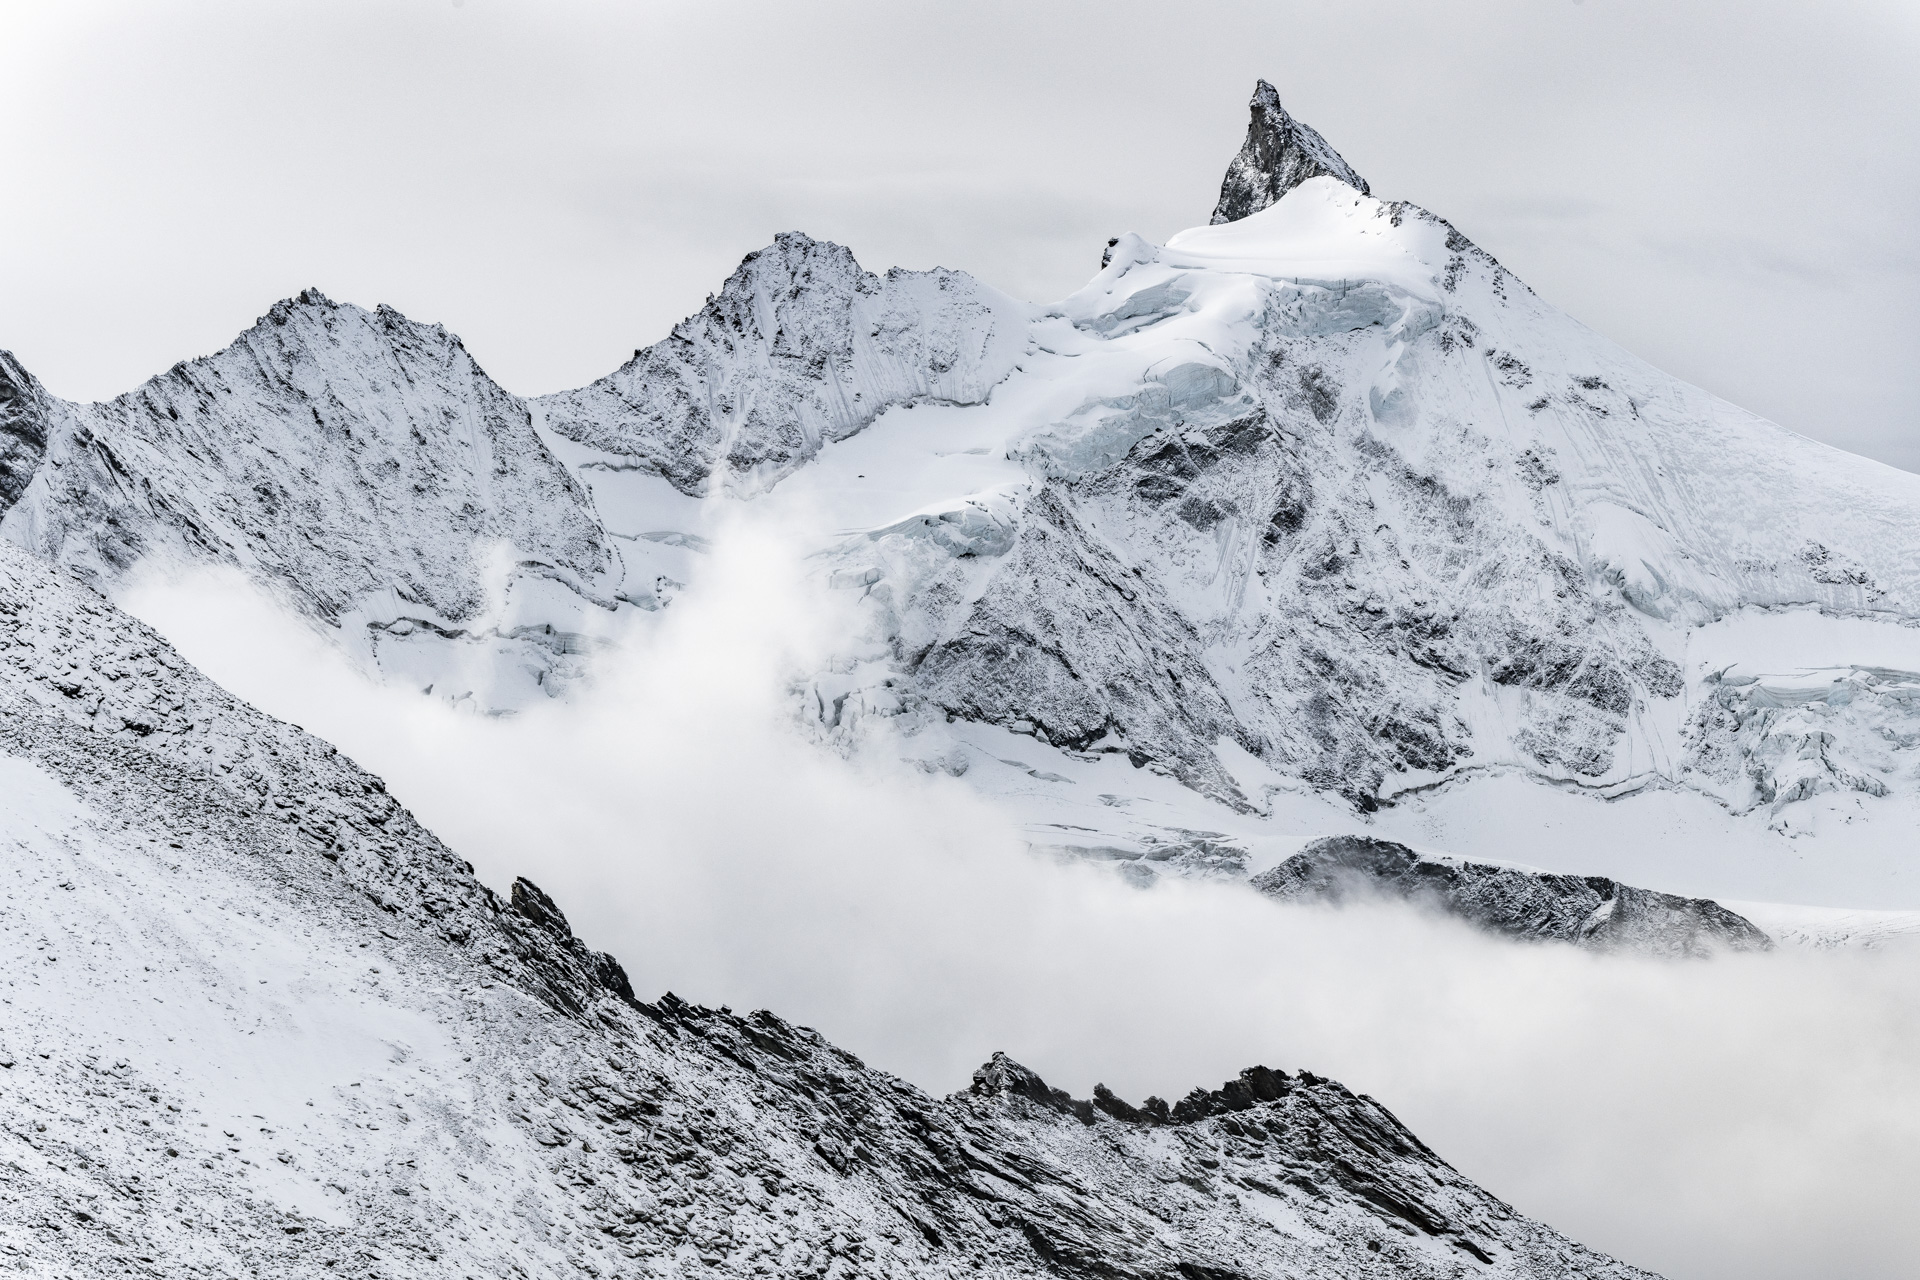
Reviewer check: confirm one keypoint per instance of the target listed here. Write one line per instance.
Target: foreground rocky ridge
(259, 1020)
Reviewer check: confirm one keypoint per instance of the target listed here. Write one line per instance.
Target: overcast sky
(1727, 189)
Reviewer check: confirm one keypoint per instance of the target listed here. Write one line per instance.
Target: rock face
(1279, 154)
(23, 429)
(1055, 642)
(259, 1020)
(801, 347)
(359, 466)
(1589, 911)
(335, 451)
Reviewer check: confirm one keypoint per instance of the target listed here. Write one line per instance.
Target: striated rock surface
(23, 429)
(1061, 640)
(1589, 911)
(333, 452)
(357, 465)
(800, 348)
(1279, 154)
(260, 1021)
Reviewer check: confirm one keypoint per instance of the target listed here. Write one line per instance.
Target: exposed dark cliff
(1590, 911)
(1280, 153)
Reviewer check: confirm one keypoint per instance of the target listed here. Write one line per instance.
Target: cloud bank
(1750, 1117)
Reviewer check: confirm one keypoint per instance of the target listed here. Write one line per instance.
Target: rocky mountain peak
(331, 452)
(1279, 154)
(801, 347)
(310, 328)
(310, 297)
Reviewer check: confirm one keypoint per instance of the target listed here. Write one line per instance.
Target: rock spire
(1279, 154)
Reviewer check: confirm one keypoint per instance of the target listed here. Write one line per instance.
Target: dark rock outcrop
(1280, 153)
(331, 453)
(23, 429)
(568, 973)
(1588, 911)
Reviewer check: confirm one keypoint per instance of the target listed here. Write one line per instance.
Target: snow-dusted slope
(258, 1021)
(800, 348)
(359, 465)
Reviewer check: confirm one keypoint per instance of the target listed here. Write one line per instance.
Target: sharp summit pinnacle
(1279, 154)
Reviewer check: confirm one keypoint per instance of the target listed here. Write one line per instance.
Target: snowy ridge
(801, 347)
(259, 1020)
(337, 451)
(359, 465)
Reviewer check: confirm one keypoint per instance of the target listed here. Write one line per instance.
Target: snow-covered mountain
(1312, 521)
(1330, 485)
(356, 463)
(801, 348)
(259, 1021)
(1318, 498)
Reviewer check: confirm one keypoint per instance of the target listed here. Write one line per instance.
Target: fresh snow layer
(1323, 232)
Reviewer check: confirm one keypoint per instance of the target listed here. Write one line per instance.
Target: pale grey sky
(1726, 189)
